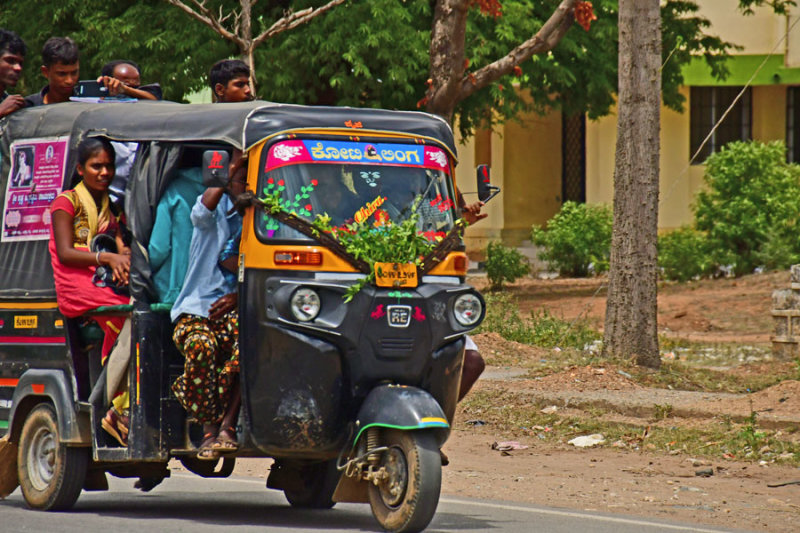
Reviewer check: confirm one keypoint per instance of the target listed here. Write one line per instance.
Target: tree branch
(202, 14)
(545, 40)
(292, 20)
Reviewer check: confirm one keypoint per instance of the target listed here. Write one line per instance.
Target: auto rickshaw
(353, 400)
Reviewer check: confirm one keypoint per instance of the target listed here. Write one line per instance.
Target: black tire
(319, 481)
(407, 501)
(51, 475)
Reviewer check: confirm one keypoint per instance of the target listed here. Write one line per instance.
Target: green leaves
(504, 264)
(750, 209)
(578, 236)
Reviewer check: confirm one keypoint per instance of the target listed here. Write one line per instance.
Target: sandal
(111, 425)
(226, 441)
(206, 451)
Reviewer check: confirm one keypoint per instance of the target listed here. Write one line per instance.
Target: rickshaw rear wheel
(407, 499)
(51, 474)
(319, 481)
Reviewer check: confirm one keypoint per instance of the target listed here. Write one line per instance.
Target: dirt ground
(646, 482)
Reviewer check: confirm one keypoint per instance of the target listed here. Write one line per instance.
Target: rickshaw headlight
(305, 304)
(467, 309)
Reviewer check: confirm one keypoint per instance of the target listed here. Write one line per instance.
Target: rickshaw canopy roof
(242, 125)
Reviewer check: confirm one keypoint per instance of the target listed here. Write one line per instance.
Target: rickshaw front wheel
(319, 481)
(51, 474)
(406, 499)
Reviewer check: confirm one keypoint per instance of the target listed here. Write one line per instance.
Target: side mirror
(215, 168)
(486, 191)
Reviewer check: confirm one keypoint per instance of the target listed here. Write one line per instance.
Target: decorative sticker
(297, 151)
(368, 210)
(439, 309)
(35, 179)
(418, 315)
(378, 312)
(399, 294)
(299, 205)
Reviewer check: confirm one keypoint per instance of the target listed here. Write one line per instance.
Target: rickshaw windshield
(357, 182)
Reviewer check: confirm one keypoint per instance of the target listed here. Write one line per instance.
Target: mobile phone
(90, 89)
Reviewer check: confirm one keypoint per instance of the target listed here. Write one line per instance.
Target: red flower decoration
(280, 183)
(314, 182)
(270, 180)
(308, 207)
(584, 14)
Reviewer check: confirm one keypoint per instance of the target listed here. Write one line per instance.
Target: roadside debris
(704, 472)
(507, 446)
(588, 441)
(549, 410)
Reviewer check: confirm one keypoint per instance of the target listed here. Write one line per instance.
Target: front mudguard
(404, 408)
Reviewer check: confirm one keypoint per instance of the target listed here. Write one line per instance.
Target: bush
(504, 264)
(542, 329)
(683, 254)
(578, 236)
(750, 209)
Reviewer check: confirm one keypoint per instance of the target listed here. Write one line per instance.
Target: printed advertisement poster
(35, 179)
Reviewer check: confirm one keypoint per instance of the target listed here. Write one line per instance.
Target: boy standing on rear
(61, 68)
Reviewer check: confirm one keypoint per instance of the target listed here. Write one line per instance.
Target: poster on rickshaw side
(35, 179)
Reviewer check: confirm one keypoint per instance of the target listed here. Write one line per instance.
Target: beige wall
(532, 163)
(757, 33)
(525, 157)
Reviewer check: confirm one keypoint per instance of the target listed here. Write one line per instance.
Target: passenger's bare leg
(473, 368)
(227, 434)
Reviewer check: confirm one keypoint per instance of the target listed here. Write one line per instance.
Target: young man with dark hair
(12, 57)
(61, 67)
(121, 77)
(230, 81)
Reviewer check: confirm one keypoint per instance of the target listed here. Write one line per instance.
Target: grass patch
(681, 376)
(539, 329)
(516, 415)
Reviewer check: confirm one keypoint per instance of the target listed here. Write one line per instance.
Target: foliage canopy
(364, 53)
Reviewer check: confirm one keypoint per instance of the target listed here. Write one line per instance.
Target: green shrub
(578, 235)
(541, 329)
(683, 254)
(504, 264)
(503, 318)
(549, 331)
(751, 206)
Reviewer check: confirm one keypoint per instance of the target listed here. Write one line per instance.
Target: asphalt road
(186, 503)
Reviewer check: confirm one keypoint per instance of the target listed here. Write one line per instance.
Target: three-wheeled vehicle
(352, 400)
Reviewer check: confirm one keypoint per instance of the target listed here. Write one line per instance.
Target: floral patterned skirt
(211, 350)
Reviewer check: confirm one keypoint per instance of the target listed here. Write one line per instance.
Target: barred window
(793, 124)
(708, 104)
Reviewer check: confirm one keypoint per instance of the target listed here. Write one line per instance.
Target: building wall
(526, 155)
(757, 33)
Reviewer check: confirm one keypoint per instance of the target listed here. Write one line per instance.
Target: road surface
(186, 503)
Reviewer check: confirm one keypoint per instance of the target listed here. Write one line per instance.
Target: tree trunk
(630, 326)
(447, 57)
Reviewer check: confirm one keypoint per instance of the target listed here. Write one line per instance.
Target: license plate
(395, 274)
(399, 316)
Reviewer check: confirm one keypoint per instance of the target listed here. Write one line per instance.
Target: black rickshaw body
(312, 389)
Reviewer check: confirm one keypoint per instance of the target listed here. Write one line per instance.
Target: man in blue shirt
(207, 322)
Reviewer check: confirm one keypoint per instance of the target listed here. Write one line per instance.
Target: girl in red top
(77, 216)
